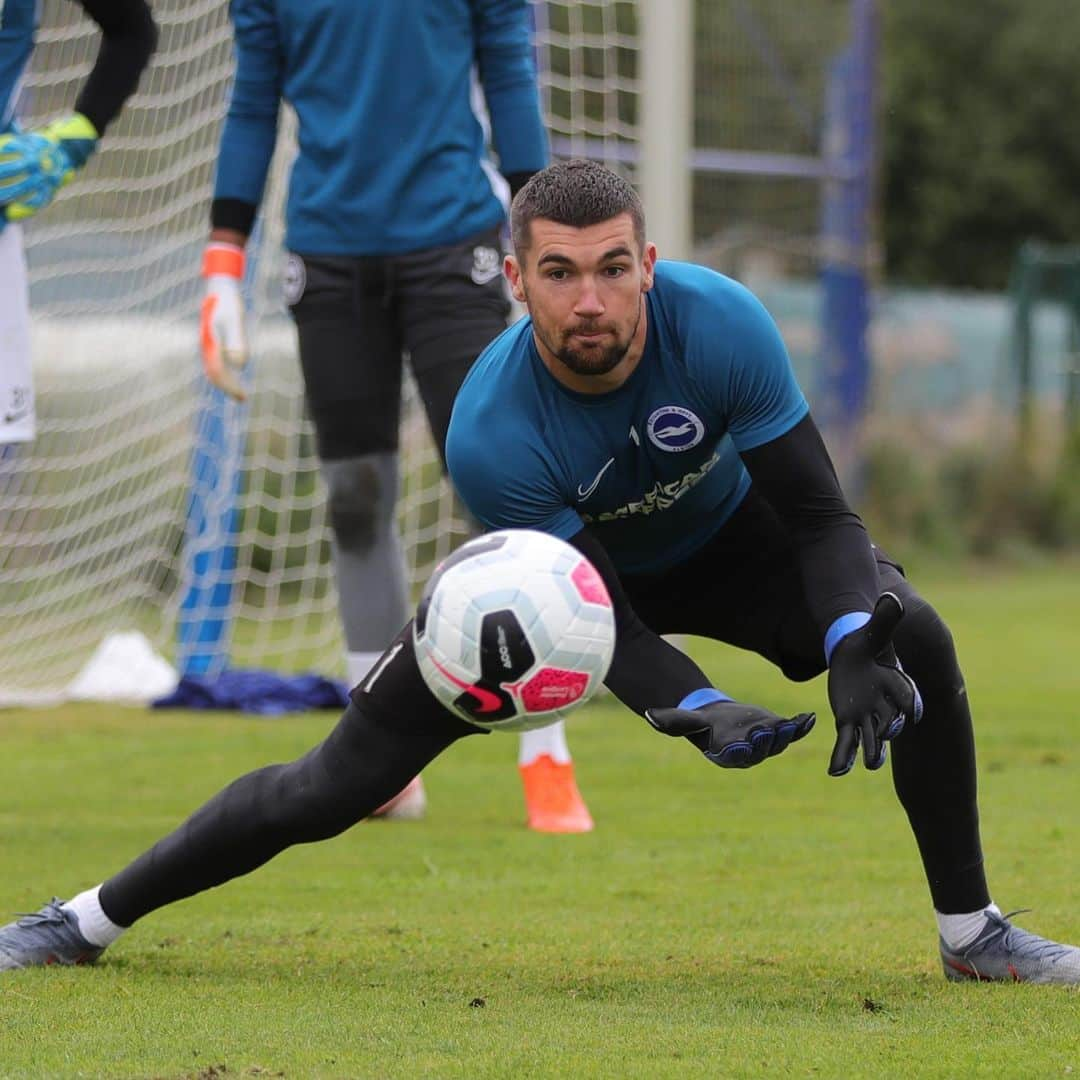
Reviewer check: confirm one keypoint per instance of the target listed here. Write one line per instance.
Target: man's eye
(557, 275)
(615, 271)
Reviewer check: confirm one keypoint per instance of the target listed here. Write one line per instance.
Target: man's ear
(512, 270)
(648, 267)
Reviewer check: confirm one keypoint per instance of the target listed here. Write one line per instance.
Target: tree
(981, 143)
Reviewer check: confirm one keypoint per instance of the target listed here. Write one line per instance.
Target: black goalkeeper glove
(731, 733)
(871, 696)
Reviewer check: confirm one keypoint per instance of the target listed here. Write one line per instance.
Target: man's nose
(588, 299)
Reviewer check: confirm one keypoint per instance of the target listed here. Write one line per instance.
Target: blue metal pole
(209, 557)
(208, 564)
(846, 229)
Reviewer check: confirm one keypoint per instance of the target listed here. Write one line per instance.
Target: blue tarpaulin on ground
(264, 692)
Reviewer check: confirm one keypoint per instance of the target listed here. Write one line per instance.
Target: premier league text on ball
(514, 630)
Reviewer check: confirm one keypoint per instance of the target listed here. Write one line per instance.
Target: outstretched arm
(646, 671)
(665, 686)
(796, 475)
(870, 696)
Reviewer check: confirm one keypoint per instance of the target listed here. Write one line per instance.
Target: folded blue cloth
(263, 692)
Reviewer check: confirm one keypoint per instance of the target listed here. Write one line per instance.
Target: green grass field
(772, 922)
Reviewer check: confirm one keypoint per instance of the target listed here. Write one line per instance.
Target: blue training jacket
(393, 150)
(18, 21)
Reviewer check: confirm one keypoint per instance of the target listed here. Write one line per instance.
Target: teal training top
(392, 98)
(652, 467)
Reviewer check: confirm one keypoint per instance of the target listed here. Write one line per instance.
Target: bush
(971, 502)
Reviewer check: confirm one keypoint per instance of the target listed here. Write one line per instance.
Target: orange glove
(221, 329)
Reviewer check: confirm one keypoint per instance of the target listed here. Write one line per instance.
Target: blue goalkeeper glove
(34, 165)
(730, 733)
(871, 696)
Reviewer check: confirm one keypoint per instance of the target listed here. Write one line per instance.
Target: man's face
(584, 289)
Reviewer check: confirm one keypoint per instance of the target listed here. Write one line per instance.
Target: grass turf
(717, 923)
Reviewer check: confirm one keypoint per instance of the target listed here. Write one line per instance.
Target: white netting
(92, 514)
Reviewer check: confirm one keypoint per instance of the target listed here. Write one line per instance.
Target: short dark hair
(578, 193)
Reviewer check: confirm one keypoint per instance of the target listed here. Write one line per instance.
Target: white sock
(959, 931)
(550, 740)
(358, 664)
(94, 924)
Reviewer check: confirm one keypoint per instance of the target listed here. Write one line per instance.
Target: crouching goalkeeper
(646, 413)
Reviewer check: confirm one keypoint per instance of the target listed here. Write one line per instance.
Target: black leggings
(387, 734)
(394, 728)
(743, 588)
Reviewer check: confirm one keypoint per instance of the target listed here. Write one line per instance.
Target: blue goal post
(212, 521)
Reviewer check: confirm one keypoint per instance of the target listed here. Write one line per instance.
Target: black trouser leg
(388, 733)
(742, 588)
(933, 762)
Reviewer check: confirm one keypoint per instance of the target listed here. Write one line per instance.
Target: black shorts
(744, 588)
(357, 316)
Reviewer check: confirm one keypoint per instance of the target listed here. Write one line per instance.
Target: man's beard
(594, 361)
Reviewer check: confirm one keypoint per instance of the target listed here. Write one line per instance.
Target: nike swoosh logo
(489, 702)
(380, 667)
(584, 493)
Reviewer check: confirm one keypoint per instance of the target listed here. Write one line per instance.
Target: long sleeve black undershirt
(796, 475)
(646, 671)
(128, 40)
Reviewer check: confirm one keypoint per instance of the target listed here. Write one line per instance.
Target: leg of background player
(372, 592)
(452, 302)
(351, 357)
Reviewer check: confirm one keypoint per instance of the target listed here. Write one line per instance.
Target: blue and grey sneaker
(1003, 952)
(49, 936)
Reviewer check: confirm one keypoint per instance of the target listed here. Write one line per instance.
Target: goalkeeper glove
(221, 330)
(730, 733)
(870, 695)
(34, 165)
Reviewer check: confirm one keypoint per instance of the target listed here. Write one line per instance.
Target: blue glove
(34, 165)
(871, 696)
(730, 733)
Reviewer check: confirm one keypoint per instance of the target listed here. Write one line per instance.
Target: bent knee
(361, 496)
(927, 651)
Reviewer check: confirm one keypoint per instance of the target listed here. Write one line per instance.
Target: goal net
(146, 502)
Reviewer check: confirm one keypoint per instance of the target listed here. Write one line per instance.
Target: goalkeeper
(648, 414)
(35, 164)
(393, 221)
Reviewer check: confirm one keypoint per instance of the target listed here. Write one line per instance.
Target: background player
(34, 165)
(394, 216)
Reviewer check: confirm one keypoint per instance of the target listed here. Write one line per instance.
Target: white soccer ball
(514, 630)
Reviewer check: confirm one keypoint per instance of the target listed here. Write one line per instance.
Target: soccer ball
(514, 630)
